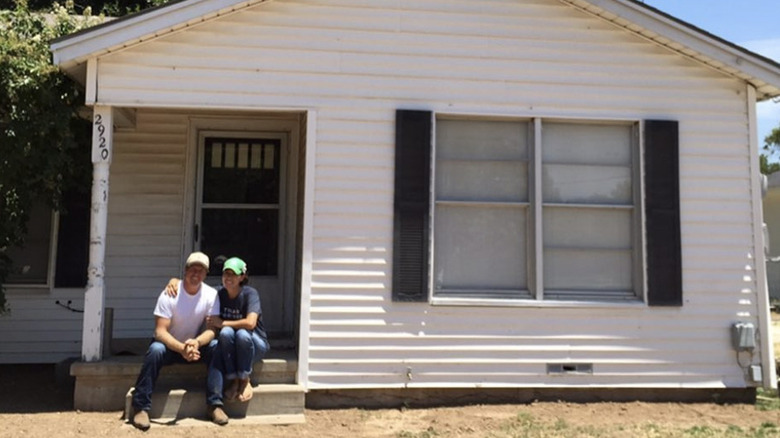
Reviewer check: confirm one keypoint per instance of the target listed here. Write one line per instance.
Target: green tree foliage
(113, 8)
(44, 145)
(771, 143)
(768, 168)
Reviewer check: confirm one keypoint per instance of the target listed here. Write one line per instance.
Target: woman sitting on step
(242, 339)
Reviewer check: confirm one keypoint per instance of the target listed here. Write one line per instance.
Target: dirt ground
(36, 403)
(605, 420)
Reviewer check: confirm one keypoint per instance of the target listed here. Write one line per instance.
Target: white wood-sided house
(428, 193)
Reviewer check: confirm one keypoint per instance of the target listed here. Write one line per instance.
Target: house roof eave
(72, 50)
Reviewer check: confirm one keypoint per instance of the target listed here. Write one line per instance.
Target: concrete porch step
(270, 404)
(102, 386)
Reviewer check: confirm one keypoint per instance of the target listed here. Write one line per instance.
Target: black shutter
(411, 205)
(662, 213)
(73, 241)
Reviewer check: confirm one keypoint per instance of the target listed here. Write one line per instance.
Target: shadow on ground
(28, 388)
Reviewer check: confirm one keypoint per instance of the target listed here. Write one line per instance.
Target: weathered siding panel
(355, 62)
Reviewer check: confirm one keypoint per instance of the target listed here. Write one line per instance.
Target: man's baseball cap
(235, 264)
(198, 258)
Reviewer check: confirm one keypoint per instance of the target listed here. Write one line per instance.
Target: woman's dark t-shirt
(247, 301)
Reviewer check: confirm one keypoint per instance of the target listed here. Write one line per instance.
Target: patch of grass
(527, 425)
(427, 433)
(560, 424)
(652, 428)
(734, 431)
(700, 431)
(767, 400)
(593, 431)
(524, 425)
(766, 430)
(525, 418)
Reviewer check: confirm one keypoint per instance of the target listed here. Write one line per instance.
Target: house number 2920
(101, 138)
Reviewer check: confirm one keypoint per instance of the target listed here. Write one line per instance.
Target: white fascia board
(122, 33)
(762, 73)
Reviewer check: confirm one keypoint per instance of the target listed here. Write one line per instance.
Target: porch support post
(94, 299)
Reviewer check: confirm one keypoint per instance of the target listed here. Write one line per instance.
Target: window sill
(27, 289)
(481, 302)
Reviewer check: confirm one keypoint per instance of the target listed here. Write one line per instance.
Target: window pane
(31, 262)
(480, 248)
(587, 184)
(588, 269)
(256, 153)
(482, 160)
(579, 143)
(481, 140)
(587, 227)
(250, 234)
(269, 161)
(588, 249)
(243, 155)
(588, 252)
(230, 155)
(216, 155)
(587, 163)
(235, 181)
(73, 239)
(482, 180)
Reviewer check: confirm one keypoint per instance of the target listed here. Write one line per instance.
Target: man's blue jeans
(157, 356)
(237, 350)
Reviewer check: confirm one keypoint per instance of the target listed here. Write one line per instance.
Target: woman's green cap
(235, 264)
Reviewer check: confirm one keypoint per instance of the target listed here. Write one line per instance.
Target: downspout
(94, 298)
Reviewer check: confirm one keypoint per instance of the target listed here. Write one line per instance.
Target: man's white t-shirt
(187, 312)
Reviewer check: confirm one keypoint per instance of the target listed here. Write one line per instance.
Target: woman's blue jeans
(237, 350)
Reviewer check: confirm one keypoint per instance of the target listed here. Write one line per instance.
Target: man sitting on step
(180, 336)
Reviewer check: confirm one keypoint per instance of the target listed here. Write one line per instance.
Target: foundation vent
(569, 368)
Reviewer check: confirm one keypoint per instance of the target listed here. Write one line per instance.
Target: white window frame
(535, 245)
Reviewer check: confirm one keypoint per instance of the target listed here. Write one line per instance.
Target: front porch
(228, 183)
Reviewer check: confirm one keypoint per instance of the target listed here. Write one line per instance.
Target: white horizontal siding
(145, 219)
(355, 62)
(37, 329)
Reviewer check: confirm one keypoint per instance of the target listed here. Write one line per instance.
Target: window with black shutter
(535, 209)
